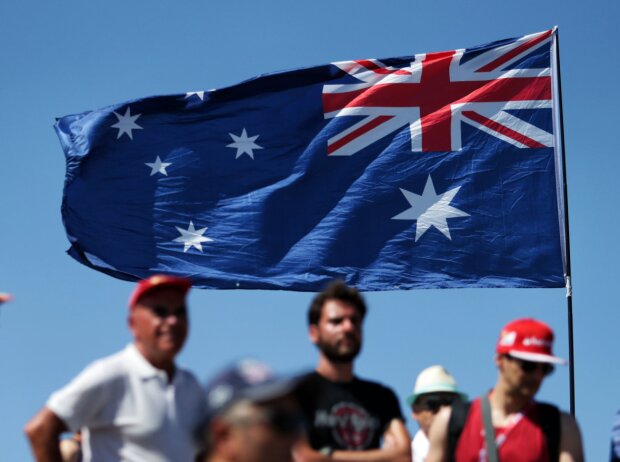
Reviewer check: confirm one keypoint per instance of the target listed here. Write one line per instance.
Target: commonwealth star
(430, 209)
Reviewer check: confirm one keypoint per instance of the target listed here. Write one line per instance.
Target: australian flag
(435, 170)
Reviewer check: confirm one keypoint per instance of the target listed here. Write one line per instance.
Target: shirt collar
(142, 367)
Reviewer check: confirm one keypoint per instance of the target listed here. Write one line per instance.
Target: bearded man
(349, 419)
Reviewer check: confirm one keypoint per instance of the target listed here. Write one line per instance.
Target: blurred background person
(135, 405)
(508, 422)
(71, 448)
(251, 416)
(434, 388)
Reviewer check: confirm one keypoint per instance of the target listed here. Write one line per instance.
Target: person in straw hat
(434, 388)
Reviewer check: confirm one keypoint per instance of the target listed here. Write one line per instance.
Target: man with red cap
(135, 405)
(507, 423)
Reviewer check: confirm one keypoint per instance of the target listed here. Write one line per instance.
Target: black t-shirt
(347, 415)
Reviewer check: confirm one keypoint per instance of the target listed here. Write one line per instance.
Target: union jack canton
(439, 91)
(435, 170)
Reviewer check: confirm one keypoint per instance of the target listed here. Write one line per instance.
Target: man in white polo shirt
(135, 405)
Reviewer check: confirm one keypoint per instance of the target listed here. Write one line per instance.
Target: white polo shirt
(128, 411)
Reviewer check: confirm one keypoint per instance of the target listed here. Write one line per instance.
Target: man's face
(522, 378)
(338, 334)
(264, 432)
(426, 407)
(159, 323)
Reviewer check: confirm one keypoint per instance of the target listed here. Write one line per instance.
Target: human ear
(313, 333)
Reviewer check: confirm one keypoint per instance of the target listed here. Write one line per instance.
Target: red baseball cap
(155, 282)
(528, 339)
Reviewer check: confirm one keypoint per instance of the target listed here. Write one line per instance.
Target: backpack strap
(550, 426)
(458, 416)
(489, 430)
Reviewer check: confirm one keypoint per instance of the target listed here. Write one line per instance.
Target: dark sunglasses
(434, 403)
(531, 366)
(163, 312)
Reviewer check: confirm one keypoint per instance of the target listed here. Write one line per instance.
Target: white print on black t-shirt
(351, 425)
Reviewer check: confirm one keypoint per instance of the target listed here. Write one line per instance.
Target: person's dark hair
(336, 290)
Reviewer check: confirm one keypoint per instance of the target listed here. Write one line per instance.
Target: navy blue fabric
(291, 216)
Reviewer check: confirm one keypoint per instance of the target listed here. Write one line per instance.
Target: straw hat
(434, 379)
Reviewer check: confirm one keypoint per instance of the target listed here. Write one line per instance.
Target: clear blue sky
(61, 58)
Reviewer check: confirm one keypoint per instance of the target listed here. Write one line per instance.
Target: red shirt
(522, 440)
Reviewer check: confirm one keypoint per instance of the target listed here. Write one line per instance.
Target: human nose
(171, 318)
(349, 325)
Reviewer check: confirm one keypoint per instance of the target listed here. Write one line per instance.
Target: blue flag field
(437, 170)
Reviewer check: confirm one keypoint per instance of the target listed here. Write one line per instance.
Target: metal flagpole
(569, 288)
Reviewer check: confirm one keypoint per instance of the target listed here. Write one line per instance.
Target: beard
(338, 352)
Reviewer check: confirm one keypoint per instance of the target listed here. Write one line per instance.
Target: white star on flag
(158, 166)
(245, 144)
(192, 237)
(126, 123)
(430, 209)
(199, 94)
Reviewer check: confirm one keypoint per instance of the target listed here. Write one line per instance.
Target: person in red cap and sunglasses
(135, 405)
(507, 424)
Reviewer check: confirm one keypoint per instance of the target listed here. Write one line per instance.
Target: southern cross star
(430, 209)
(126, 123)
(199, 94)
(192, 237)
(158, 166)
(245, 144)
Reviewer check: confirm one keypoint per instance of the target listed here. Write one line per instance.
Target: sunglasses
(531, 366)
(434, 403)
(163, 312)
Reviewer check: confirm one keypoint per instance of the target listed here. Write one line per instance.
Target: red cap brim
(537, 357)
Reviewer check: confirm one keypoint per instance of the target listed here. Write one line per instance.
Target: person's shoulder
(375, 388)
(567, 421)
(115, 364)
(372, 386)
(107, 366)
(549, 414)
(312, 380)
(88, 390)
